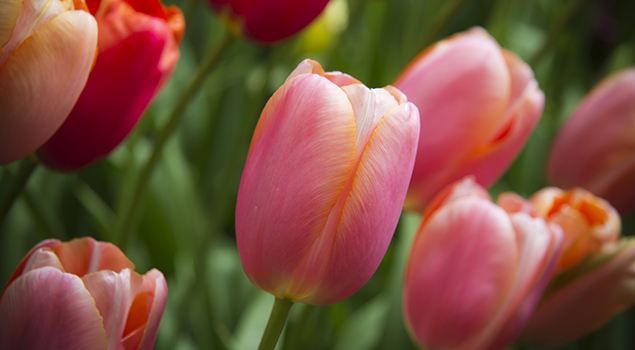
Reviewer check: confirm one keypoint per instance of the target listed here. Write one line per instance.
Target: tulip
(47, 48)
(82, 294)
(323, 185)
(478, 105)
(475, 272)
(138, 50)
(595, 149)
(268, 21)
(595, 275)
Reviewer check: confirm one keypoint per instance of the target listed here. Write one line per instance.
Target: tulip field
(317, 174)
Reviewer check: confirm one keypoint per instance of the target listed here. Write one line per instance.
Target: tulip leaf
(362, 329)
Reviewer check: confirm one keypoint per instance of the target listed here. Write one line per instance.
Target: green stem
(124, 232)
(25, 169)
(554, 32)
(295, 338)
(443, 18)
(275, 324)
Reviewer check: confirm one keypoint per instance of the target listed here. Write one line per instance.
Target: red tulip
(475, 272)
(478, 105)
(46, 52)
(138, 50)
(595, 149)
(268, 21)
(79, 295)
(323, 186)
(595, 276)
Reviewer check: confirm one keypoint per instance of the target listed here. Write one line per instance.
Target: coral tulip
(82, 294)
(475, 272)
(595, 276)
(47, 48)
(595, 149)
(138, 50)
(478, 106)
(268, 21)
(323, 186)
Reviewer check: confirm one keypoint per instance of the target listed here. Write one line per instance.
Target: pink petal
(82, 256)
(48, 243)
(41, 258)
(48, 309)
(113, 294)
(154, 282)
(41, 81)
(442, 280)
(301, 155)
(587, 303)
(372, 207)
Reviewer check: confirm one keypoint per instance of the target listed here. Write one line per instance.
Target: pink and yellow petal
(153, 282)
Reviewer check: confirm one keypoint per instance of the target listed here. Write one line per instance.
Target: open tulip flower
(595, 276)
(595, 149)
(78, 295)
(47, 48)
(475, 272)
(138, 50)
(324, 184)
(478, 105)
(268, 21)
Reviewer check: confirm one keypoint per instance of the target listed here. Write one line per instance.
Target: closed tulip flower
(595, 149)
(595, 276)
(323, 186)
(475, 272)
(268, 21)
(47, 48)
(82, 294)
(478, 105)
(138, 50)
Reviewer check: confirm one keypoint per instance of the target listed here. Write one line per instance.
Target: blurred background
(186, 224)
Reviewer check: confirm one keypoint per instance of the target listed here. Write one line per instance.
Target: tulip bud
(82, 294)
(47, 48)
(323, 186)
(268, 21)
(595, 149)
(475, 272)
(478, 106)
(138, 50)
(595, 276)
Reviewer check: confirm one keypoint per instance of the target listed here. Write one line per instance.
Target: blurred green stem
(25, 169)
(124, 233)
(275, 324)
(556, 29)
(442, 19)
(295, 338)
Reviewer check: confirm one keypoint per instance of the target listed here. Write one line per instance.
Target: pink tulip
(595, 149)
(478, 106)
(46, 52)
(595, 276)
(268, 21)
(323, 186)
(79, 295)
(138, 50)
(475, 272)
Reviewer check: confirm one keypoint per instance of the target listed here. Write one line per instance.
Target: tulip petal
(603, 293)
(41, 258)
(442, 280)
(461, 108)
(113, 294)
(41, 81)
(125, 79)
(154, 282)
(85, 255)
(301, 155)
(9, 11)
(49, 243)
(49, 309)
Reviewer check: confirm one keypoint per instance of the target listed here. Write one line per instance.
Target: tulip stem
(275, 324)
(25, 169)
(124, 232)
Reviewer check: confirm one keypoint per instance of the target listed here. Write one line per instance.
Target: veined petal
(113, 294)
(48, 309)
(42, 80)
(442, 280)
(82, 256)
(301, 155)
(154, 283)
(48, 243)
(372, 207)
(586, 303)
(41, 258)
(9, 11)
